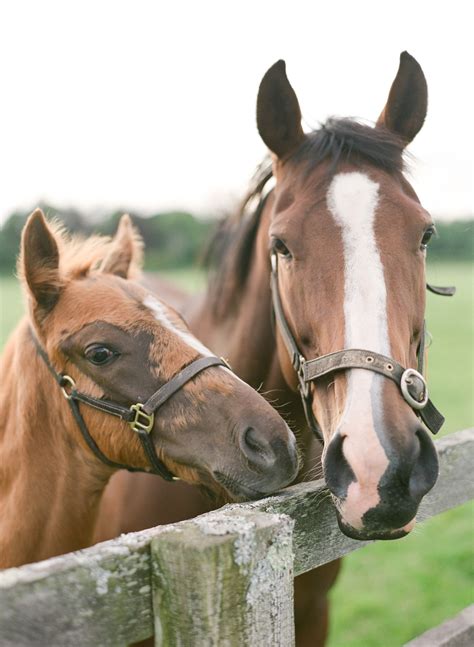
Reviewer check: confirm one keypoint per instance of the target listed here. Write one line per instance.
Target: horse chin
(236, 490)
(371, 534)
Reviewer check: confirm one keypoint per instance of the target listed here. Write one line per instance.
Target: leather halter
(140, 416)
(411, 382)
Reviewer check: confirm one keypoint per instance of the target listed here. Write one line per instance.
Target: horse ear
(126, 251)
(407, 101)
(278, 112)
(39, 262)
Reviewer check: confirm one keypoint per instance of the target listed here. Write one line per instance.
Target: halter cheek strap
(411, 382)
(140, 416)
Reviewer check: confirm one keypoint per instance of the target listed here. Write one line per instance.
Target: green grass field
(390, 592)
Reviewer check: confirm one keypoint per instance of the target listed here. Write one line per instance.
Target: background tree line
(172, 239)
(178, 239)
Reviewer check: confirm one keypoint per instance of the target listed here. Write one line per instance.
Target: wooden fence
(224, 579)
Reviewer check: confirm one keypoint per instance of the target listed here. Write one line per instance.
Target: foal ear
(407, 101)
(39, 262)
(126, 251)
(278, 112)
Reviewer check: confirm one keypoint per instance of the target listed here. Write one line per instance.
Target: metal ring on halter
(65, 379)
(406, 381)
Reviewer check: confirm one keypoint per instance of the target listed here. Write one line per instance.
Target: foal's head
(119, 342)
(350, 235)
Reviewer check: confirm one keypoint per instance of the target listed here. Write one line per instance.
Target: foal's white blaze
(352, 200)
(161, 314)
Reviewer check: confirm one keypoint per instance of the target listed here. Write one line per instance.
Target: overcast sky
(149, 105)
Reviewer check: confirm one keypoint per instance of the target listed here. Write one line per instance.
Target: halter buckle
(406, 381)
(142, 420)
(299, 366)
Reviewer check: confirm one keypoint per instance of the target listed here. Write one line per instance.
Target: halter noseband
(411, 382)
(140, 416)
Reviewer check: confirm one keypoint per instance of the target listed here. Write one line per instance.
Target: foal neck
(238, 326)
(50, 488)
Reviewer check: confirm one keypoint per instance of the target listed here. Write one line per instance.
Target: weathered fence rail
(223, 579)
(455, 632)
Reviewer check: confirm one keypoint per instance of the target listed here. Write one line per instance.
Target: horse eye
(100, 355)
(280, 248)
(427, 237)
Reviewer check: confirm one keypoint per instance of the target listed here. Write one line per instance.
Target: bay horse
(96, 336)
(326, 260)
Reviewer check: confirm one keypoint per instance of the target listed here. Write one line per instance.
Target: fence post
(225, 580)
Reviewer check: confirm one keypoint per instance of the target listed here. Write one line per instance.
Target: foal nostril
(251, 440)
(256, 447)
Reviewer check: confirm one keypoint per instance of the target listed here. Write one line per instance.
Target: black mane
(338, 140)
(350, 140)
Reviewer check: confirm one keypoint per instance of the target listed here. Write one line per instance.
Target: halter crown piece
(411, 382)
(140, 416)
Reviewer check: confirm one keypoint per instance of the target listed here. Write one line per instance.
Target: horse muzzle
(380, 501)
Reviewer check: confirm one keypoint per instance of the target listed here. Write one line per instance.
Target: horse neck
(50, 488)
(244, 333)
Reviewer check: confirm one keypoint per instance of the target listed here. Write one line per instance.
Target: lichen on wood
(227, 581)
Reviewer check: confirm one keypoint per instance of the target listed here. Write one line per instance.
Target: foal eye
(280, 248)
(100, 355)
(427, 237)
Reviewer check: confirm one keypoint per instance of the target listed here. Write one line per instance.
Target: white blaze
(161, 314)
(352, 200)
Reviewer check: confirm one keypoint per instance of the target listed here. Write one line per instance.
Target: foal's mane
(78, 255)
(337, 140)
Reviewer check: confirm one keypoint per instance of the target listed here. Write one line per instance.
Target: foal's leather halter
(410, 381)
(140, 416)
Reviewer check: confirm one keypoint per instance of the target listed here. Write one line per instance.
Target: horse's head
(120, 343)
(350, 237)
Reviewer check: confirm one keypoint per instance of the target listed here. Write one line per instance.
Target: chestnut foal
(95, 342)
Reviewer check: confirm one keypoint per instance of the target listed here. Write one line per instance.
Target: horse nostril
(337, 470)
(425, 468)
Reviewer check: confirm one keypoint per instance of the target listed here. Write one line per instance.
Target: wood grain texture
(98, 596)
(103, 595)
(226, 581)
